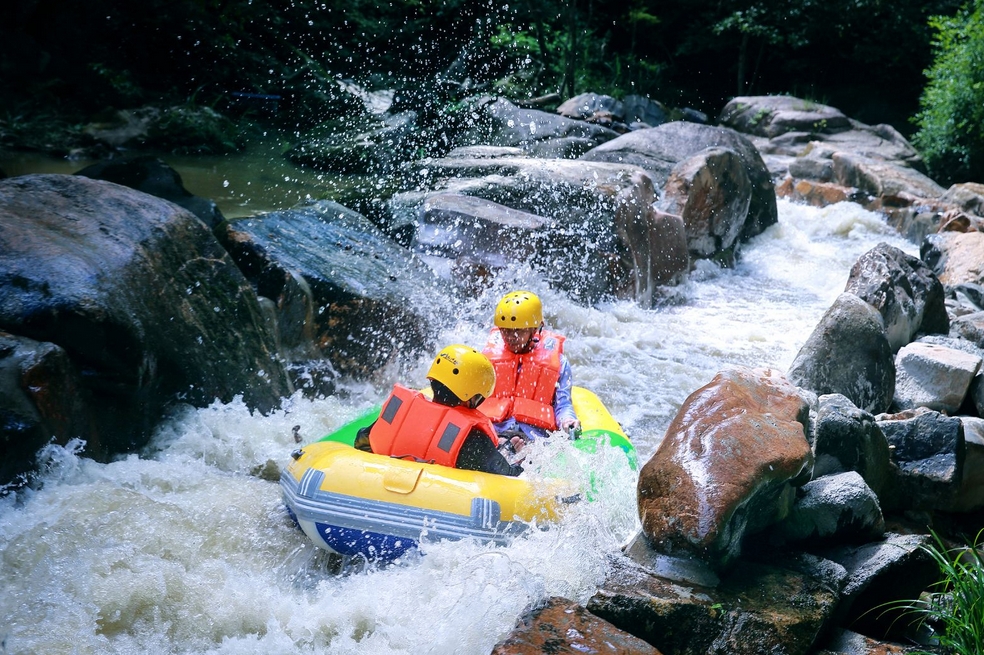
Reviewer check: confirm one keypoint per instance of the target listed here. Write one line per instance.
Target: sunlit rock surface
(727, 466)
(955, 257)
(711, 192)
(933, 376)
(660, 149)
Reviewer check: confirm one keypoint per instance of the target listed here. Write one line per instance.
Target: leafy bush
(951, 119)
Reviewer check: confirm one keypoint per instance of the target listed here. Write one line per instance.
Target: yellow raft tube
(356, 503)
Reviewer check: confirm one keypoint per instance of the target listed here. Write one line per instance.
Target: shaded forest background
(68, 60)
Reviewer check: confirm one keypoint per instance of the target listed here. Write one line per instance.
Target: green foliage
(951, 119)
(954, 610)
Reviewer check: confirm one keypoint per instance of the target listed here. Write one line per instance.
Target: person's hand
(571, 426)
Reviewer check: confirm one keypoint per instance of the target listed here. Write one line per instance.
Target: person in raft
(532, 394)
(447, 429)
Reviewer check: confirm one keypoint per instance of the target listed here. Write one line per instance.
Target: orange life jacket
(412, 425)
(524, 384)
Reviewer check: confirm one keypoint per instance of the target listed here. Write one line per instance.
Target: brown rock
(562, 626)
(726, 466)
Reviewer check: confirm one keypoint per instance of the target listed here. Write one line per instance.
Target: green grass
(954, 607)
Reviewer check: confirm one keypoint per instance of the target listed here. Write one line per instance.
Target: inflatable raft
(354, 503)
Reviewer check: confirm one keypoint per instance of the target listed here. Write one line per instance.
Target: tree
(951, 118)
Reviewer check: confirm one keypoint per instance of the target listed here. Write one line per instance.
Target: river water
(180, 549)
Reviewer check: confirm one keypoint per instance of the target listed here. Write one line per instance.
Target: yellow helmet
(519, 309)
(463, 370)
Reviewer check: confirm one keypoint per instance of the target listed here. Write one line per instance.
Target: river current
(181, 549)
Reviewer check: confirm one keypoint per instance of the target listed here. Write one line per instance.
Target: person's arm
(362, 438)
(563, 407)
(478, 453)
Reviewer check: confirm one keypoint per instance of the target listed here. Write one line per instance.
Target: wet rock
(642, 111)
(145, 302)
(338, 284)
(501, 123)
(586, 105)
(928, 449)
(933, 376)
(711, 192)
(42, 400)
(562, 626)
(878, 573)
(905, 291)
(660, 149)
(373, 145)
(969, 196)
(727, 466)
(151, 175)
(848, 353)
(818, 194)
(591, 213)
(848, 439)
(759, 608)
(837, 507)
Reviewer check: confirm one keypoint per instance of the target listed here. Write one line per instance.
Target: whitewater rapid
(186, 548)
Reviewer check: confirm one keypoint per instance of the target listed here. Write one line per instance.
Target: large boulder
(848, 353)
(341, 289)
(772, 116)
(592, 226)
(660, 149)
(903, 289)
(145, 302)
(711, 192)
(151, 175)
(727, 466)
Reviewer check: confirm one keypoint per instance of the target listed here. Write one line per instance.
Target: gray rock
(933, 376)
(834, 507)
(148, 306)
(848, 353)
(905, 291)
(848, 439)
(660, 149)
(337, 282)
(928, 450)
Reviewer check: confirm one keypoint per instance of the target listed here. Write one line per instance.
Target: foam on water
(182, 550)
